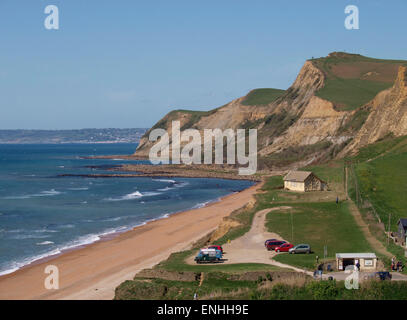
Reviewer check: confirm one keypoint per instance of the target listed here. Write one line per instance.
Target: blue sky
(127, 63)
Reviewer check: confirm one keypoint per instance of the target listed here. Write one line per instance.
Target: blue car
(209, 255)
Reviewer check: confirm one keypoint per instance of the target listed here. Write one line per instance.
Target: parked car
(208, 255)
(273, 244)
(216, 248)
(268, 240)
(284, 247)
(380, 275)
(300, 248)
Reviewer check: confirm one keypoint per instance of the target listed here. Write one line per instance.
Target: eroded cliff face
(233, 115)
(388, 115)
(318, 122)
(300, 119)
(299, 99)
(309, 80)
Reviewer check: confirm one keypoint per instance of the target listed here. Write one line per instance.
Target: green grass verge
(350, 94)
(262, 96)
(219, 287)
(176, 262)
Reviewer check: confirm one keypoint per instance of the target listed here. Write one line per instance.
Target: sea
(43, 213)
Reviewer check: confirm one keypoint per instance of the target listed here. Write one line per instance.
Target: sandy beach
(93, 272)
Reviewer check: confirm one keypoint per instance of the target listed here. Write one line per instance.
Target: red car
(273, 244)
(216, 247)
(284, 247)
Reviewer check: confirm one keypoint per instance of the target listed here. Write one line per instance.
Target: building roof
(355, 256)
(403, 223)
(297, 176)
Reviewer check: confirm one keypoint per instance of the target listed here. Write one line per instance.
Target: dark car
(380, 275)
(269, 240)
(274, 244)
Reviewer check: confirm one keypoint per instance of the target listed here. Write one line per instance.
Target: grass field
(382, 177)
(350, 94)
(262, 96)
(353, 80)
(318, 224)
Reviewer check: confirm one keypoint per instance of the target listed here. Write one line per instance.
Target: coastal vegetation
(218, 286)
(262, 96)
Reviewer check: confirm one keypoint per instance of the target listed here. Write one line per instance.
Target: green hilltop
(352, 80)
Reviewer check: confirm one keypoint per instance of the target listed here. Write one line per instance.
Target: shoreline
(107, 236)
(120, 264)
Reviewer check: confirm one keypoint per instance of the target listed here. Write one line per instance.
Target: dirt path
(250, 247)
(376, 244)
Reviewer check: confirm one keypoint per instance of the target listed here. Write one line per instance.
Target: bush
(323, 290)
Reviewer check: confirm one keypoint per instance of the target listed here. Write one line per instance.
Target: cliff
(336, 105)
(388, 115)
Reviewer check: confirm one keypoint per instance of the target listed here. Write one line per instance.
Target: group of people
(396, 266)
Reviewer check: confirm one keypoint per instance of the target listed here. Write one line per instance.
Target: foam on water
(133, 195)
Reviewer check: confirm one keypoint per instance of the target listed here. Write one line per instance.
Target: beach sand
(93, 272)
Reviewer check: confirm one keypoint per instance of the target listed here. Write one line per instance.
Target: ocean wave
(173, 184)
(65, 226)
(181, 184)
(28, 236)
(47, 193)
(165, 180)
(134, 195)
(45, 230)
(204, 204)
(16, 265)
(114, 219)
(165, 189)
(44, 243)
(78, 189)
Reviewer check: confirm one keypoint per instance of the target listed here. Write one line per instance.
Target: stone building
(303, 181)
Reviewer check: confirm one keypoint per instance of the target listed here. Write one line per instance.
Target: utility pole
(292, 227)
(388, 231)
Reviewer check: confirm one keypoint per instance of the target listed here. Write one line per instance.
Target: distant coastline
(79, 136)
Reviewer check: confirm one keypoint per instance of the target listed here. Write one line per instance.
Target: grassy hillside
(353, 80)
(262, 96)
(382, 175)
